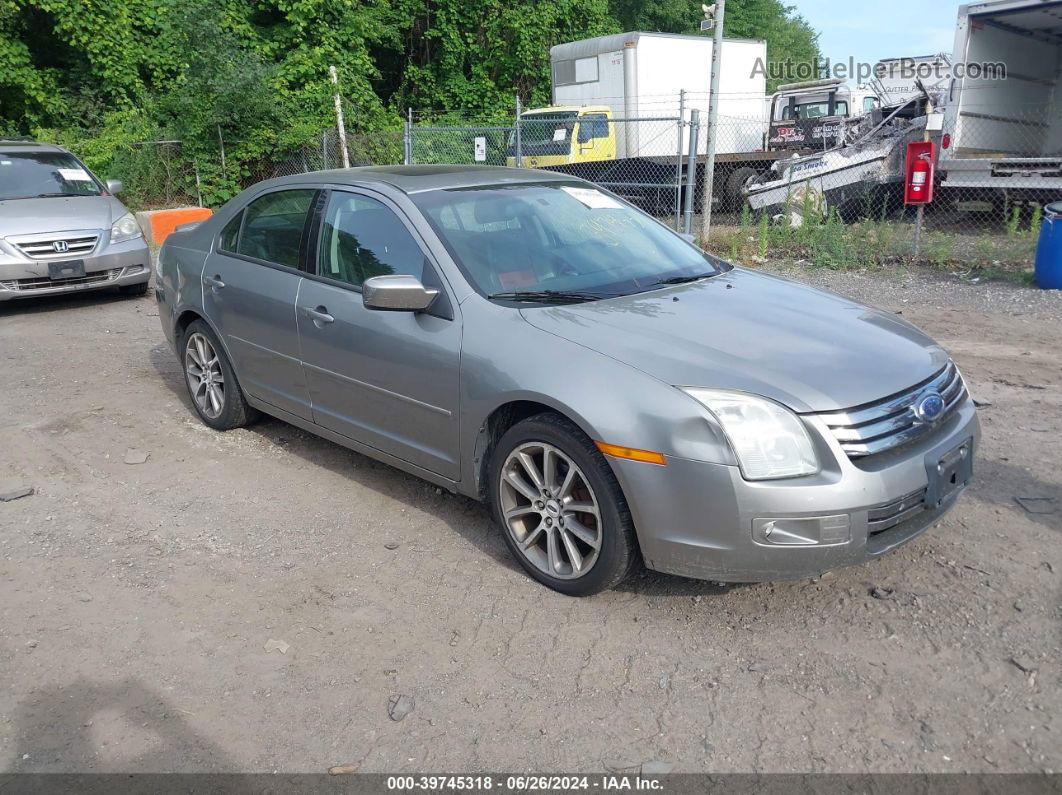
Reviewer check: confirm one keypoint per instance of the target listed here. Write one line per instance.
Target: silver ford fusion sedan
(608, 389)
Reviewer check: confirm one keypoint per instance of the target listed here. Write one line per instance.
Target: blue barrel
(1049, 252)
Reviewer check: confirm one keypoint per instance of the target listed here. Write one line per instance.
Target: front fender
(505, 360)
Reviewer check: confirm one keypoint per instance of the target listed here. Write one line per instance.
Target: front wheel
(560, 508)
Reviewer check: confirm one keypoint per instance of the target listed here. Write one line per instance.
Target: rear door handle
(214, 282)
(319, 315)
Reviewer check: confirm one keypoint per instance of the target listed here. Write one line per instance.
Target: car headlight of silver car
(768, 439)
(125, 228)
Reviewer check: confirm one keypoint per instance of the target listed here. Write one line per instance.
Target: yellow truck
(615, 109)
(561, 135)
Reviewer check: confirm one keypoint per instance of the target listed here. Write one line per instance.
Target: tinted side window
(272, 229)
(230, 235)
(362, 238)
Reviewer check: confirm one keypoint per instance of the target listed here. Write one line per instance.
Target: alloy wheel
(550, 510)
(206, 380)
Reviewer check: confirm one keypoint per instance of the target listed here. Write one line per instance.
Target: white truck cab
(809, 116)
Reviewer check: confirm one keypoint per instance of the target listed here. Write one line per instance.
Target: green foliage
(1035, 221)
(251, 79)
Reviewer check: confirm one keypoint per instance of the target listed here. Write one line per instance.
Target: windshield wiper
(61, 195)
(686, 279)
(544, 296)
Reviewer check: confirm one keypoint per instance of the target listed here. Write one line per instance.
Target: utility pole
(713, 15)
(340, 127)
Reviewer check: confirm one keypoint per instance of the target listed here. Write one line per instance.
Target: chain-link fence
(844, 204)
(158, 174)
(639, 158)
(823, 189)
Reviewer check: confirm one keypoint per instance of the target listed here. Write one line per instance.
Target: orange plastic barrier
(160, 223)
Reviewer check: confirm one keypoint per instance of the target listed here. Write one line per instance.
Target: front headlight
(125, 228)
(768, 439)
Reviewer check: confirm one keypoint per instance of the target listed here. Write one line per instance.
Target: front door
(387, 379)
(250, 283)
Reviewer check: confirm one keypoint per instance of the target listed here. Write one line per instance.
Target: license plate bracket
(66, 269)
(949, 474)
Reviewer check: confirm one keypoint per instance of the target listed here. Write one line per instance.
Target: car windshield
(29, 175)
(542, 128)
(566, 239)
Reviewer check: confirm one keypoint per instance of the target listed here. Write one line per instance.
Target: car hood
(808, 349)
(58, 214)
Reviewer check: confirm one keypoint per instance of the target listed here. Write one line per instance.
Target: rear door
(386, 379)
(250, 283)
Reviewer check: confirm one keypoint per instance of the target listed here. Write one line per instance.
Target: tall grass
(877, 241)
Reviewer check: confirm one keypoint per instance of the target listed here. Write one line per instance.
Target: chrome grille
(889, 423)
(76, 245)
(44, 283)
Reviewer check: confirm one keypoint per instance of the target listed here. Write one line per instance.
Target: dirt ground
(234, 603)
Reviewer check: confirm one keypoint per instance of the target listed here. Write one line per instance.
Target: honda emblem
(60, 246)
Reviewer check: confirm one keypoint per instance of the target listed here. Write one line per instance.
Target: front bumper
(115, 265)
(704, 520)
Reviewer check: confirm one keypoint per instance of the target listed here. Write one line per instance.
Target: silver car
(62, 229)
(613, 393)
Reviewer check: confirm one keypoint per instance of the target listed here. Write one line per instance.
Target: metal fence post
(198, 186)
(519, 143)
(407, 142)
(221, 148)
(678, 161)
(691, 171)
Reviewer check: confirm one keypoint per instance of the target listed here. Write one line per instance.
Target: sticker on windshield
(74, 175)
(594, 199)
(560, 134)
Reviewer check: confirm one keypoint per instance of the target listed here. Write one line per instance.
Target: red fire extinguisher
(918, 187)
(920, 171)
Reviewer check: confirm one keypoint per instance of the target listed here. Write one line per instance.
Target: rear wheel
(735, 188)
(560, 508)
(211, 381)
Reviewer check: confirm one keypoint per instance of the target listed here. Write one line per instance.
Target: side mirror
(396, 294)
(114, 186)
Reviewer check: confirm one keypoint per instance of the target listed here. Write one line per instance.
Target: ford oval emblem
(929, 407)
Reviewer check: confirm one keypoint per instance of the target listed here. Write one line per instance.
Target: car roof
(419, 179)
(23, 145)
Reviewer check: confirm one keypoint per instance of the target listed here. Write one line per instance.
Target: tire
(231, 410)
(734, 196)
(552, 523)
(133, 290)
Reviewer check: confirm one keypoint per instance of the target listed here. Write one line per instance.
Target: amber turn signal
(645, 456)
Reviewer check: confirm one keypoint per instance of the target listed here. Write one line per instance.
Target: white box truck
(1003, 137)
(614, 118)
(640, 76)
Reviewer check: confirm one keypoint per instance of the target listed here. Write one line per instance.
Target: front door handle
(319, 315)
(214, 282)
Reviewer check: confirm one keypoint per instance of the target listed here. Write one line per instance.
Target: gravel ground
(263, 600)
